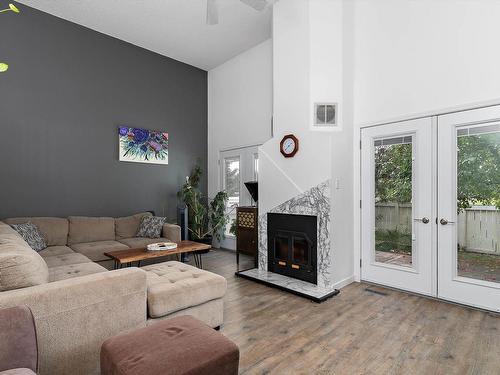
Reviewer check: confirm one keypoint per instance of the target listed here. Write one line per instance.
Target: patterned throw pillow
(31, 234)
(151, 226)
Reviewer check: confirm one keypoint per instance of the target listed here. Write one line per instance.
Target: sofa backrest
(90, 229)
(54, 229)
(127, 227)
(59, 231)
(20, 265)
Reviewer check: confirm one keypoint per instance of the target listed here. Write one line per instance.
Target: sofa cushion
(74, 270)
(151, 227)
(138, 242)
(55, 250)
(65, 260)
(95, 250)
(172, 232)
(31, 234)
(173, 286)
(20, 266)
(126, 227)
(54, 229)
(90, 229)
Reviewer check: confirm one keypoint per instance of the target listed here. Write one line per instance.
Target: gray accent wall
(66, 92)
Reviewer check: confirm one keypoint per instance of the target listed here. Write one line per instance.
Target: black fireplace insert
(292, 245)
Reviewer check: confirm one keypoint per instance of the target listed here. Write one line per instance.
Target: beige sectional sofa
(93, 236)
(77, 303)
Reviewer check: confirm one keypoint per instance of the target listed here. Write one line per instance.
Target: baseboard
(344, 282)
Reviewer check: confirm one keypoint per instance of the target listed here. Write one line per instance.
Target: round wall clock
(289, 145)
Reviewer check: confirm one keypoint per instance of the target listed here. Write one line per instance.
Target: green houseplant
(207, 218)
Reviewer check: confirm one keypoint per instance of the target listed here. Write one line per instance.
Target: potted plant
(207, 218)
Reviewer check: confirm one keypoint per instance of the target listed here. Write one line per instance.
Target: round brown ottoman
(181, 345)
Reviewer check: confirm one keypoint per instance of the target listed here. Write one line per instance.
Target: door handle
(445, 222)
(424, 220)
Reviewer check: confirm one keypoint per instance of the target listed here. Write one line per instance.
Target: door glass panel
(478, 202)
(232, 187)
(393, 200)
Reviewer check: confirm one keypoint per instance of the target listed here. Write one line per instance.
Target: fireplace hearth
(299, 228)
(292, 245)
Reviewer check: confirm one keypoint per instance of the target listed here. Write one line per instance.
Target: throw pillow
(31, 234)
(151, 226)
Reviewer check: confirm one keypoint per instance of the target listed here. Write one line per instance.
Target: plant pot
(206, 240)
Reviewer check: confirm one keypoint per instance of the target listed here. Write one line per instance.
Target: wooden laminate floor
(364, 330)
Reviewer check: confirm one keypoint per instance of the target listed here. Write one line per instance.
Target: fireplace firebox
(292, 245)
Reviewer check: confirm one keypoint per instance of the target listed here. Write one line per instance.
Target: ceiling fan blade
(212, 13)
(256, 4)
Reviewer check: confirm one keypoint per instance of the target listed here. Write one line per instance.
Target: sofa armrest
(73, 317)
(172, 232)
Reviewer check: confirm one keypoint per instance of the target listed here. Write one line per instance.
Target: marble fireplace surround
(316, 202)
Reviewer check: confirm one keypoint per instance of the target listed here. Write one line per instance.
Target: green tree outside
(478, 166)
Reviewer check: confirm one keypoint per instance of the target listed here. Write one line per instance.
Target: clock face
(289, 145)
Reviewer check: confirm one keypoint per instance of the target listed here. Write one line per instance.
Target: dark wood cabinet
(246, 232)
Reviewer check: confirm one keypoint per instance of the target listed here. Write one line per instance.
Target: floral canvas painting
(142, 145)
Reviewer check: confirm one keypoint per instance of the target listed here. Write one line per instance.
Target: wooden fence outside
(392, 216)
(478, 228)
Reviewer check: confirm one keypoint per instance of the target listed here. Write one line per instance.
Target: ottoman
(175, 288)
(181, 345)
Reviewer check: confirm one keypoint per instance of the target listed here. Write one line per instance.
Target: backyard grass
(393, 241)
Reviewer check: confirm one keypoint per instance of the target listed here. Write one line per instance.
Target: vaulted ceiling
(174, 28)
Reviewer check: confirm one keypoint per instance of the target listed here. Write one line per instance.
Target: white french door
(237, 166)
(468, 200)
(430, 211)
(397, 206)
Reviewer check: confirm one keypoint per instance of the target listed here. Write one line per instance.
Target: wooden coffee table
(126, 257)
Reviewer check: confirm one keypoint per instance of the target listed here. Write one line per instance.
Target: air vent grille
(325, 114)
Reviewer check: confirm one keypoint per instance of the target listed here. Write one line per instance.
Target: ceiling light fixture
(213, 11)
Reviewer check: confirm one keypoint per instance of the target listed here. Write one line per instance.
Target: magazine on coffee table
(160, 246)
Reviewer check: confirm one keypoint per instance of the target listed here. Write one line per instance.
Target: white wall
(343, 199)
(326, 55)
(417, 56)
(293, 88)
(239, 108)
(308, 61)
(240, 105)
